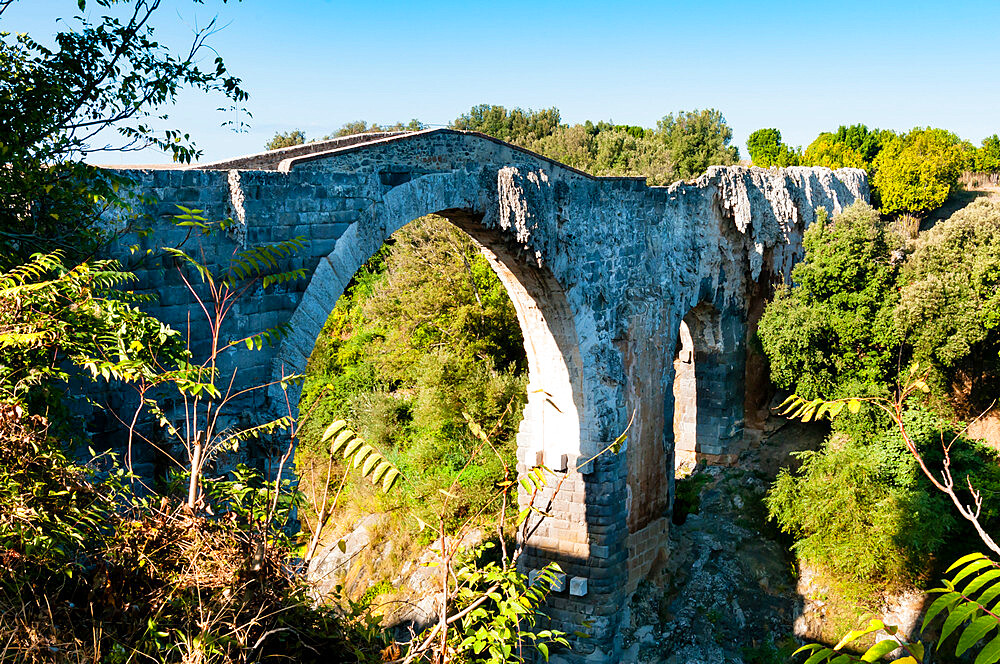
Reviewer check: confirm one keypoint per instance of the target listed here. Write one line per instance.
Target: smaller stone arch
(708, 387)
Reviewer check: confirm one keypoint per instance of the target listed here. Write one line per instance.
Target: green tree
(515, 126)
(696, 140)
(987, 157)
(916, 172)
(854, 146)
(362, 127)
(285, 140)
(949, 307)
(619, 152)
(680, 147)
(833, 333)
(766, 149)
(866, 142)
(827, 151)
(59, 104)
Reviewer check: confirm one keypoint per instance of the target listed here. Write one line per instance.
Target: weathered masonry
(607, 275)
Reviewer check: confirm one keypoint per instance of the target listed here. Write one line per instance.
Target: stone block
(599, 551)
(578, 586)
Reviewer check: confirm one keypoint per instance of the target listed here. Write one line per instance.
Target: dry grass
(140, 583)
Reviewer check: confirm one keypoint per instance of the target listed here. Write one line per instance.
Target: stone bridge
(619, 288)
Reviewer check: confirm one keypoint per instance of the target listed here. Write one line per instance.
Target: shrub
(949, 308)
(832, 333)
(860, 507)
(89, 571)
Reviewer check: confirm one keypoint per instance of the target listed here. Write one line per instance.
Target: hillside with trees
(913, 172)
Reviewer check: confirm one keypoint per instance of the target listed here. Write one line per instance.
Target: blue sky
(802, 67)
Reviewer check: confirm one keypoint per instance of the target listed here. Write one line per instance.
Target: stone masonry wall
(601, 272)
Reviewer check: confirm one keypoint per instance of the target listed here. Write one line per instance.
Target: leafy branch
(795, 407)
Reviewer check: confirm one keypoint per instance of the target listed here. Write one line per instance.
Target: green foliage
(362, 127)
(687, 495)
(51, 507)
(913, 651)
(827, 151)
(515, 126)
(51, 315)
(860, 506)
(916, 172)
(696, 140)
(425, 333)
(966, 600)
(204, 390)
(766, 149)
(497, 629)
(987, 157)
(106, 73)
(853, 146)
(358, 453)
(833, 334)
(289, 138)
(913, 172)
(285, 140)
(967, 604)
(90, 572)
(858, 509)
(949, 307)
(868, 509)
(859, 310)
(682, 146)
(251, 502)
(619, 153)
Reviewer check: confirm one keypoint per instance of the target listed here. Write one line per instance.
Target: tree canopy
(285, 140)
(917, 171)
(949, 307)
(58, 105)
(514, 126)
(680, 147)
(832, 333)
(766, 149)
(860, 317)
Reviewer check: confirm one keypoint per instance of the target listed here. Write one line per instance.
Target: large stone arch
(555, 414)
